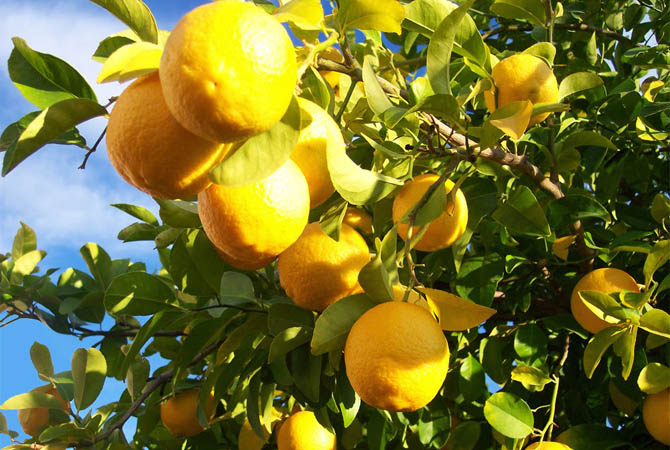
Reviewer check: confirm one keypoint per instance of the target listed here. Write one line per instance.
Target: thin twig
(563, 26)
(92, 149)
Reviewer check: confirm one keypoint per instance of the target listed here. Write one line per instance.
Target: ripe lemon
(248, 439)
(359, 219)
(656, 416)
(32, 420)
(179, 413)
(548, 446)
(244, 264)
(301, 431)
(523, 77)
(228, 71)
(621, 401)
(310, 151)
(607, 280)
(317, 271)
(396, 356)
(151, 151)
(443, 231)
(253, 224)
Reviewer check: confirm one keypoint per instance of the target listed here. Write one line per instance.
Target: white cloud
(67, 207)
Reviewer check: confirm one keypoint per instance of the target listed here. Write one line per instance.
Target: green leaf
(138, 293)
(260, 156)
(331, 219)
(178, 213)
(27, 263)
(160, 321)
(109, 45)
(587, 138)
(543, 50)
(578, 82)
(597, 347)
(376, 97)
(530, 376)
(333, 325)
(522, 214)
(464, 436)
(606, 308)
(306, 371)
(285, 315)
(138, 231)
(657, 257)
(660, 207)
(655, 377)
(591, 436)
(41, 358)
(287, 340)
(14, 130)
(471, 382)
(139, 212)
(509, 415)
(306, 14)
(380, 15)
(89, 369)
(98, 262)
(625, 348)
(347, 400)
(136, 378)
(440, 48)
(376, 277)
(135, 14)
(131, 61)
(44, 79)
(236, 288)
(25, 241)
(47, 126)
(530, 10)
(578, 207)
(424, 16)
(656, 321)
(530, 342)
(195, 266)
(32, 399)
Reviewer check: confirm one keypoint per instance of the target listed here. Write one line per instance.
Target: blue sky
(67, 207)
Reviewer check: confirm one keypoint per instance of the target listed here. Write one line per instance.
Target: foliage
(586, 188)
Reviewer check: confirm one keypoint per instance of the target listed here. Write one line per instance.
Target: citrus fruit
(179, 413)
(547, 446)
(317, 271)
(621, 401)
(253, 224)
(228, 71)
(607, 280)
(244, 264)
(656, 415)
(248, 439)
(359, 219)
(310, 151)
(151, 151)
(396, 356)
(522, 77)
(443, 231)
(32, 420)
(301, 431)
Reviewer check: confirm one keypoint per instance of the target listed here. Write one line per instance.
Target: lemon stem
(350, 92)
(552, 411)
(311, 57)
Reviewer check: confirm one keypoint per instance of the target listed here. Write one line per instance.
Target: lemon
(607, 280)
(359, 219)
(228, 71)
(443, 231)
(310, 151)
(179, 413)
(151, 151)
(301, 431)
(523, 77)
(253, 224)
(32, 420)
(396, 356)
(316, 271)
(248, 439)
(547, 446)
(656, 416)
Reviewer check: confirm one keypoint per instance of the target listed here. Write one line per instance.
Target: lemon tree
(389, 224)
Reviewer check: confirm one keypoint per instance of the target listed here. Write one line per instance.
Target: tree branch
(563, 26)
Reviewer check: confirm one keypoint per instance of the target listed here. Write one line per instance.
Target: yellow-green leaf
(307, 14)
(512, 119)
(131, 61)
(380, 15)
(455, 313)
(561, 246)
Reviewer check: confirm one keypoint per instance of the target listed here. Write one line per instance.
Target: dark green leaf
(306, 371)
(333, 325)
(597, 347)
(136, 377)
(98, 262)
(286, 315)
(331, 219)
(178, 213)
(195, 266)
(138, 293)
(471, 379)
(109, 45)
(522, 213)
(590, 436)
(139, 212)
(287, 340)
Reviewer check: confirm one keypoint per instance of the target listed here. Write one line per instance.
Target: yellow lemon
(523, 77)
(359, 219)
(607, 280)
(317, 271)
(443, 231)
(396, 356)
(301, 431)
(310, 151)
(656, 415)
(228, 71)
(151, 151)
(253, 224)
(32, 420)
(179, 413)
(248, 439)
(548, 446)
